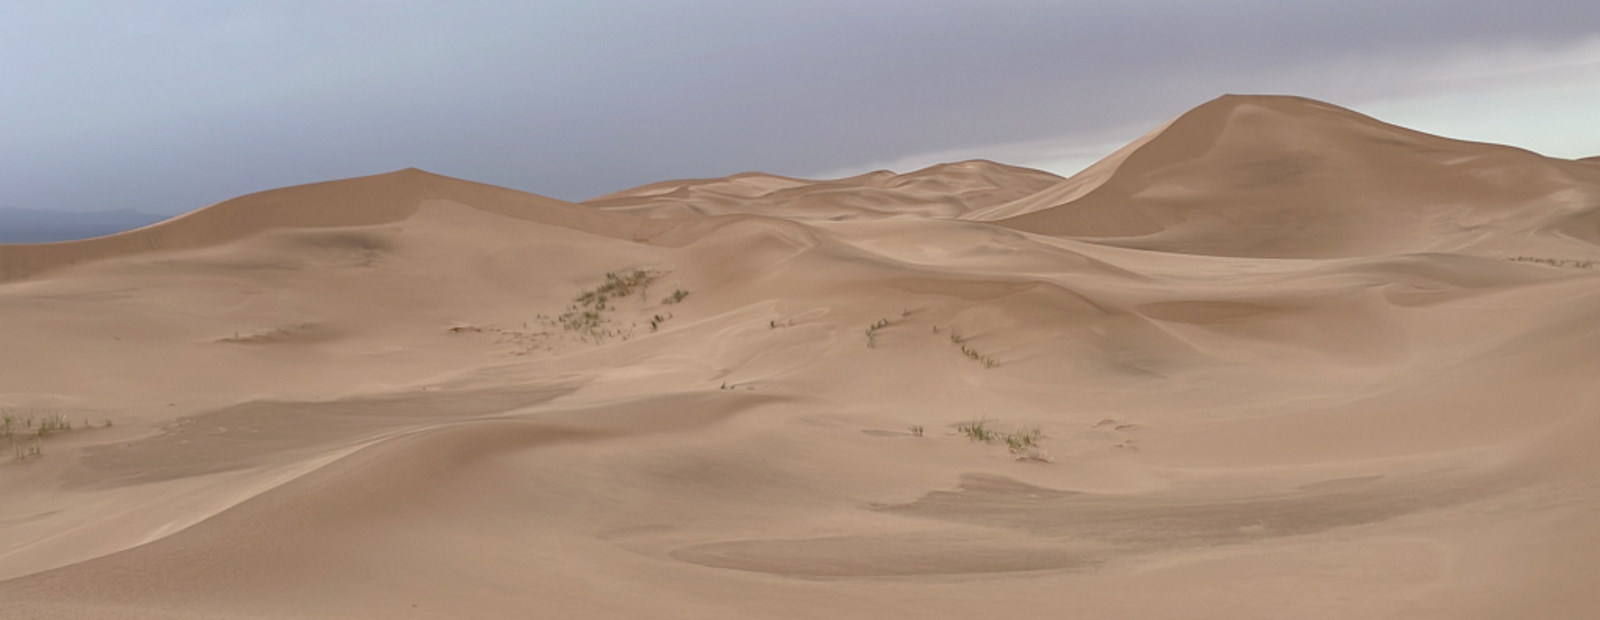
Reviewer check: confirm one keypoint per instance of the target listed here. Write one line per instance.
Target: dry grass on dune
(1274, 359)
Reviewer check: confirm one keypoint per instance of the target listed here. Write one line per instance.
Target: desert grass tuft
(978, 430)
(1578, 263)
(1023, 438)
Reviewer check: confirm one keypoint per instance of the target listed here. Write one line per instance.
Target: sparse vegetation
(1555, 262)
(590, 316)
(676, 297)
(958, 339)
(1023, 438)
(978, 430)
(916, 431)
(26, 430)
(271, 335)
(1023, 442)
(988, 362)
(587, 316)
(618, 286)
(54, 423)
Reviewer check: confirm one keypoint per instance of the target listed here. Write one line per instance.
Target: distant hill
(38, 226)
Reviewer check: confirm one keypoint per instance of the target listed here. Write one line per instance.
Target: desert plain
(1274, 359)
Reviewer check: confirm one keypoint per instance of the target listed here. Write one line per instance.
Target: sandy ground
(1285, 361)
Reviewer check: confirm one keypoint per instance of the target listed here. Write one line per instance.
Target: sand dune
(1284, 361)
(365, 201)
(1288, 177)
(943, 191)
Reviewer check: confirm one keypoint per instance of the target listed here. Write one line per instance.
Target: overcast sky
(166, 106)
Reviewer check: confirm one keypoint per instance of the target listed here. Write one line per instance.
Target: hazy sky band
(168, 106)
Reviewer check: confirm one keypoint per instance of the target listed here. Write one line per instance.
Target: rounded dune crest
(360, 201)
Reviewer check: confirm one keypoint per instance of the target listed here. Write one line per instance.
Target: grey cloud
(167, 106)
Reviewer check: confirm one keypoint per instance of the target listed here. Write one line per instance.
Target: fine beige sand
(1285, 361)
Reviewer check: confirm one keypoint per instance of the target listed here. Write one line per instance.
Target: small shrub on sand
(1023, 442)
(872, 332)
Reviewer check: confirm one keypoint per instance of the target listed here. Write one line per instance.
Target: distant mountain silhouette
(38, 226)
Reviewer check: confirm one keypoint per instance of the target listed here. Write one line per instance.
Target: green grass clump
(587, 316)
(1023, 438)
(617, 285)
(978, 430)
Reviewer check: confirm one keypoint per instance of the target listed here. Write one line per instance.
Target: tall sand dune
(1275, 359)
(1290, 177)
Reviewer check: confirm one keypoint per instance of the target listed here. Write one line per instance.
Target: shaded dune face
(1273, 359)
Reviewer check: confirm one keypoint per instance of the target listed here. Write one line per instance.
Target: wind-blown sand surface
(1288, 362)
